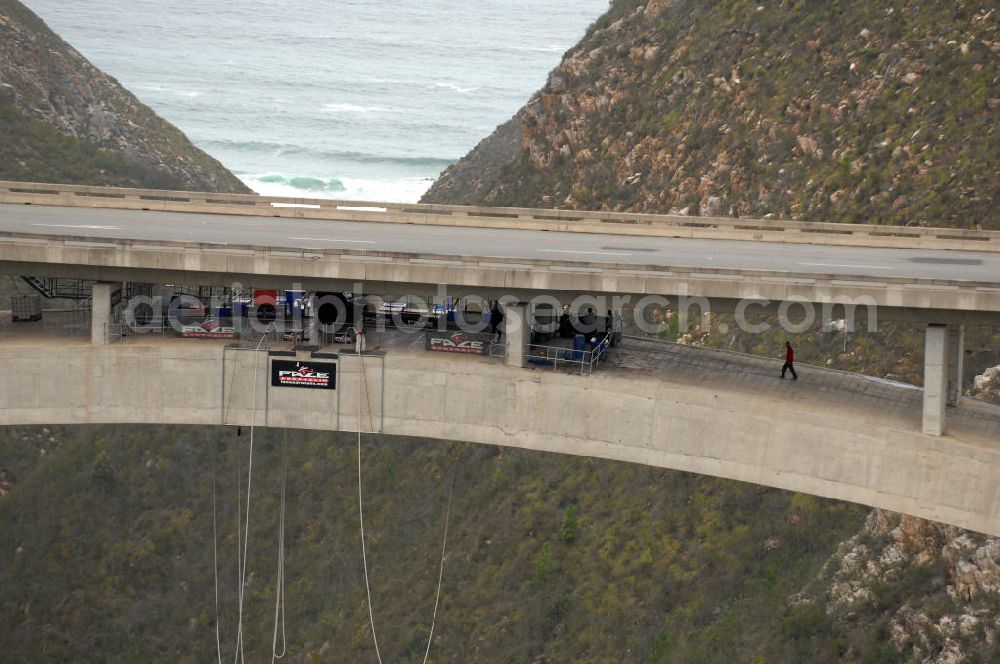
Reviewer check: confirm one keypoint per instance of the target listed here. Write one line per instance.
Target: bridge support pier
(955, 353)
(100, 311)
(943, 350)
(516, 334)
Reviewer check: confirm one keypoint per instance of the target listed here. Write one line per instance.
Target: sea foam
(398, 190)
(453, 87)
(354, 108)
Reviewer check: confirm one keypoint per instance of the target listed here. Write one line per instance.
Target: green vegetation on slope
(33, 151)
(46, 79)
(107, 551)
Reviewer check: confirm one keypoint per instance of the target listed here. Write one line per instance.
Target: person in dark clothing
(789, 361)
(566, 330)
(496, 317)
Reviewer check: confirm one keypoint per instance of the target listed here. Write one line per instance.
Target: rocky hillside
(986, 386)
(64, 120)
(931, 589)
(878, 112)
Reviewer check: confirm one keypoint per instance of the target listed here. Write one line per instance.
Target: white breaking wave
(179, 93)
(354, 108)
(399, 190)
(538, 49)
(452, 86)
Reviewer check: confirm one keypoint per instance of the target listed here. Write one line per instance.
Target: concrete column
(517, 334)
(311, 331)
(100, 311)
(935, 378)
(954, 354)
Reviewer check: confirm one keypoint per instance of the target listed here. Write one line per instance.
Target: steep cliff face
(103, 133)
(846, 110)
(930, 589)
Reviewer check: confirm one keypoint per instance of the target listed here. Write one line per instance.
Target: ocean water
(350, 99)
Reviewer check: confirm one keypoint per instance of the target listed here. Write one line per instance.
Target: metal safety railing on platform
(497, 349)
(72, 323)
(560, 357)
(115, 332)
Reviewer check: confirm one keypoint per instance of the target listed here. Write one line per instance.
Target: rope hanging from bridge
(437, 595)
(279, 591)
(246, 528)
(364, 554)
(363, 378)
(215, 551)
(243, 537)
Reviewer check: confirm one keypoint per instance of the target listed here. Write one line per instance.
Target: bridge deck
(305, 234)
(843, 393)
(704, 411)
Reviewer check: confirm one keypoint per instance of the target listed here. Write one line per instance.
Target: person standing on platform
(789, 361)
(496, 318)
(360, 343)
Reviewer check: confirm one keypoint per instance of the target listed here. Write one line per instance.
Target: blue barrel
(579, 345)
(240, 308)
(225, 312)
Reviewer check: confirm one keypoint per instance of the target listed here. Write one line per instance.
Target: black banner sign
(317, 375)
(470, 343)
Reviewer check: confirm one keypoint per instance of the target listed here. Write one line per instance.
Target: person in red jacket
(789, 361)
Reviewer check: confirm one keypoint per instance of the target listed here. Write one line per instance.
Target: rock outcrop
(936, 586)
(841, 111)
(44, 79)
(986, 386)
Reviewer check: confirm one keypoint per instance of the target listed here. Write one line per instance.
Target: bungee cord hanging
(279, 645)
(243, 537)
(215, 550)
(279, 588)
(242, 529)
(246, 528)
(363, 378)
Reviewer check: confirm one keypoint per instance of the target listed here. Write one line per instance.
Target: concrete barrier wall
(616, 223)
(860, 454)
(331, 269)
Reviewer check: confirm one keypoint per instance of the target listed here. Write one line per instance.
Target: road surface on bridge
(306, 234)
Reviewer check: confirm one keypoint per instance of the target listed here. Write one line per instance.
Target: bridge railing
(562, 357)
(616, 223)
